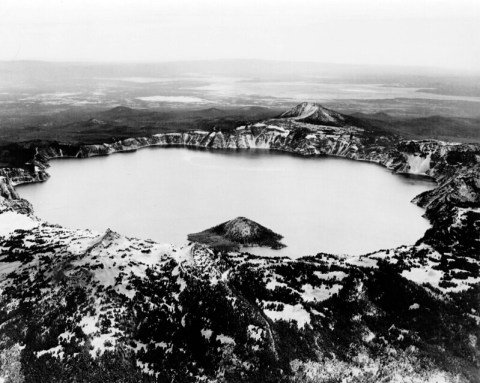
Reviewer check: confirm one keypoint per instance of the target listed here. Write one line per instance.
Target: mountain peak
(95, 121)
(242, 229)
(238, 231)
(119, 111)
(314, 113)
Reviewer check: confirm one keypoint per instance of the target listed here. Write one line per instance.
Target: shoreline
(269, 140)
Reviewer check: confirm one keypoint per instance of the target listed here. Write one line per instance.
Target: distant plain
(79, 102)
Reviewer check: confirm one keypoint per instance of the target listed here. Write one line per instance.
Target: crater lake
(319, 204)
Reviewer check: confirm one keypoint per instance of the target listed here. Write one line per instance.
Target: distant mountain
(122, 109)
(315, 113)
(122, 112)
(95, 122)
(211, 112)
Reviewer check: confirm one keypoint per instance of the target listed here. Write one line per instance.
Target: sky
(436, 33)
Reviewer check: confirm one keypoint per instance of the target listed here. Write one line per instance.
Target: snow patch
(255, 332)
(183, 255)
(56, 351)
(423, 275)
(206, 333)
(368, 336)
(362, 262)
(9, 267)
(88, 324)
(11, 221)
(319, 294)
(290, 312)
(223, 339)
(98, 343)
(273, 284)
(339, 275)
(417, 164)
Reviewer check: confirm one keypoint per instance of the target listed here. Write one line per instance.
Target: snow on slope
(314, 113)
(11, 221)
(290, 313)
(133, 281)
(418, 165)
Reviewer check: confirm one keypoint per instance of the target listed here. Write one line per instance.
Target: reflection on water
(318, 204)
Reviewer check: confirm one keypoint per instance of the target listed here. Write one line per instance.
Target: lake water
(318, 204)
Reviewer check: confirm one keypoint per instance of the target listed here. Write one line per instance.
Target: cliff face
(9, 198)
(77, 303)
(413, 157)
(287, 134)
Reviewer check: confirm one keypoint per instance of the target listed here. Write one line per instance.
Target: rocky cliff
(289, 133)
(77, 305)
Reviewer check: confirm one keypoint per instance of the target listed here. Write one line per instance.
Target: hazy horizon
(367, 66)
(420, 34)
